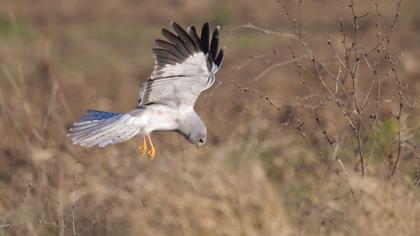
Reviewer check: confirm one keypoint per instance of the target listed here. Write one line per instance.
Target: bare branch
(264, 30)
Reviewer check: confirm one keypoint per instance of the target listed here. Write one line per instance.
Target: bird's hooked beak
(200, 143)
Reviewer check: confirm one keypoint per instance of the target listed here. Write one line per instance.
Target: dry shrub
(355, 106)
(377, 209)
(188, 193)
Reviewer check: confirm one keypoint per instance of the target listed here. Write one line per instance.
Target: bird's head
(194, 130)
(199, 140)
(197, 134)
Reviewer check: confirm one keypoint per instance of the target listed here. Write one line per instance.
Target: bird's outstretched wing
(185, 65)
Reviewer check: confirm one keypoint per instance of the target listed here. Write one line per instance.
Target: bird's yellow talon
(143, 149)
(147, 149)
(152, 151)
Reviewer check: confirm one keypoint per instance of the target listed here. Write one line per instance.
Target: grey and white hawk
(185, 66)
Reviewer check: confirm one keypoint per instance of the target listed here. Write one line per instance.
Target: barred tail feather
(98, 128)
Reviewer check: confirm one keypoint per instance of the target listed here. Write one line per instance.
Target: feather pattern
(98, 128)
(194, 36)
(185, 65)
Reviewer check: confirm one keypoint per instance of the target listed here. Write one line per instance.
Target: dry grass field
(313, 120)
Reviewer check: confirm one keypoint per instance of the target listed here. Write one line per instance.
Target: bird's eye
(201, 141)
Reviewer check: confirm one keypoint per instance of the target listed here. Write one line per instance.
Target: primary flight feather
(185, 65)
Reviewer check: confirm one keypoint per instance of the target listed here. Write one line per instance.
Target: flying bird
(185, 66)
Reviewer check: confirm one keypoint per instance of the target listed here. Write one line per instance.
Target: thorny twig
(264, 31)
(354, 78)
(253, 58)
(397, 79)
(279, 64)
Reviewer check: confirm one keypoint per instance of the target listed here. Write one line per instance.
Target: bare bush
(354, 95)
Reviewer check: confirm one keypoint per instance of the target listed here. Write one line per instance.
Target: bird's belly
(161, 122)
(157, 117)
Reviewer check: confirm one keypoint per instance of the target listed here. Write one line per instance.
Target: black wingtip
(182, 43)
(205, 31)
(206, 25)
(219, 59)
(214, 44)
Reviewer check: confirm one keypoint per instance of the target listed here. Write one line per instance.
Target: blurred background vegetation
(267, 168)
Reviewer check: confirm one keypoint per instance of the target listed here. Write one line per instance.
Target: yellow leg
(143, 149)
(152, 151)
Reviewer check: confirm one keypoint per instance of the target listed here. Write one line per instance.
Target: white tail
(102, 128)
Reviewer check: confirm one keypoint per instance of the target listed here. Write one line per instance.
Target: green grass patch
(221, 14)
(245, 40)
(10, 29)
(383, 139)
(119, 34)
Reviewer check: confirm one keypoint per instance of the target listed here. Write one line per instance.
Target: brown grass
(281, 158)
